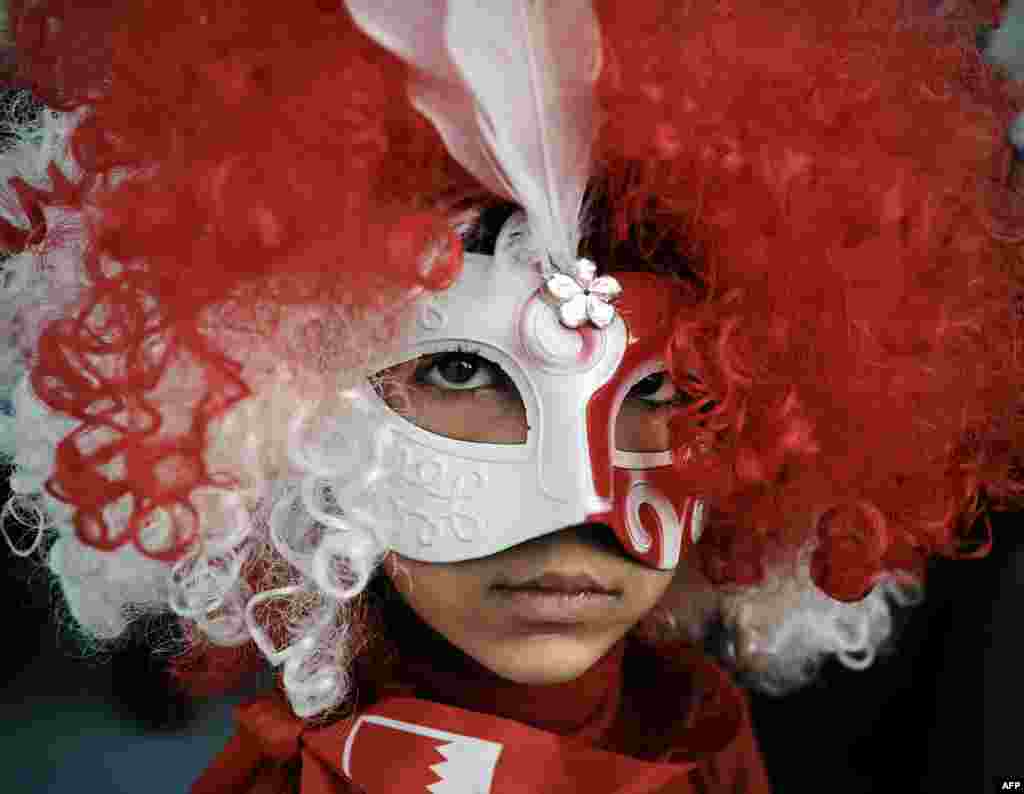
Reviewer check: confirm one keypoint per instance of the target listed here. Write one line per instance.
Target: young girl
(440, 355)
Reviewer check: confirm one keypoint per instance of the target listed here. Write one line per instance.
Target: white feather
(509, 86)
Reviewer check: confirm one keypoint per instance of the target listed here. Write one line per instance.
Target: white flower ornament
(581, 297)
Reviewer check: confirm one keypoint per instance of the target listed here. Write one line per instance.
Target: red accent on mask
(648, 306)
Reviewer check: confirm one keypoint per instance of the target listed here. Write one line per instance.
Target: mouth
(580, 583)
(556, 603)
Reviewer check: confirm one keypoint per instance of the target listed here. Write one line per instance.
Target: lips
(555, 604)
(562, 583)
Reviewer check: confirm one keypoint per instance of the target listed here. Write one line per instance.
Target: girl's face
(461, 600)
(466, 397)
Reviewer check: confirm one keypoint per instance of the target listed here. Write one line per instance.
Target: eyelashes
(441, 371)
(653, 385)
(459, 370)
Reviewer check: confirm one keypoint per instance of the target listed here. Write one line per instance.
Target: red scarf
(650, 720)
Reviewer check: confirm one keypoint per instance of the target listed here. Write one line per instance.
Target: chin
(546, 658)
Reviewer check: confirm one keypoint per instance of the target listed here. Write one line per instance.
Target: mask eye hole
(459, 394)
(642, 421)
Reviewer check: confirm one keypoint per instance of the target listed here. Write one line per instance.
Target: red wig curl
(243, 155)
(840, 172)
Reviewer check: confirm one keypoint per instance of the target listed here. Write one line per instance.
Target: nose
(592, 533)
(600, 536)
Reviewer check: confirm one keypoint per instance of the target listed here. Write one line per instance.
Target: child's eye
(658, 390)
(460, 371)
(466, 371)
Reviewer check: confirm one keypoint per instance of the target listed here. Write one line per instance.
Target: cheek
(482, 418)
(639, 429)
(439, 594)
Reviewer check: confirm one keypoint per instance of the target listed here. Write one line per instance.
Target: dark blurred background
(108, 724)
(940, 715)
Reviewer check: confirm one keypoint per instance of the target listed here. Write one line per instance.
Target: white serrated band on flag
(469, 765)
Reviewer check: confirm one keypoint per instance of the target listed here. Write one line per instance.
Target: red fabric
(662, 720)
(433, 669)
(255, 760)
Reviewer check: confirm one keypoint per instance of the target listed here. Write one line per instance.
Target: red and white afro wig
(229, 208)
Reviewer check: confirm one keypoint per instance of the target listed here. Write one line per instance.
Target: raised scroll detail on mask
(555, 348)
(697, 522)
(430, 316)
(642, 493)
(548, 340)
(428, 492)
